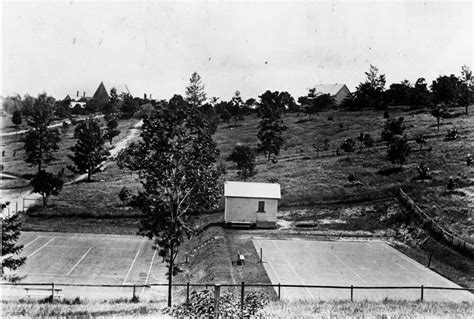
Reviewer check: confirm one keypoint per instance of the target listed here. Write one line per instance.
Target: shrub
(469, 159)
(423, 171)
(202, 305)
(450, 186)
(452, 135)
(348, 145)
(351, 177)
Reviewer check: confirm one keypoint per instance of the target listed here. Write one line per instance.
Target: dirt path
(21, 200)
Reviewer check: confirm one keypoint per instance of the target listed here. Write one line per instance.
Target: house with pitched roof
(253, 204)
(337, 91)
(100, 97)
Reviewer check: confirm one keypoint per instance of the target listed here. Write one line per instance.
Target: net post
(187, 293)
(134, 296)
(217, 296)
(261, 254)
(52, 292)
(422, 292)
(352, 292)
(279, 291)
(242, 291)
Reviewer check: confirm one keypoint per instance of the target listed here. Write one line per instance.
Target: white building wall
(244, 210)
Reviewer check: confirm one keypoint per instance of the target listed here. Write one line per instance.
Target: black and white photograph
(237, 159)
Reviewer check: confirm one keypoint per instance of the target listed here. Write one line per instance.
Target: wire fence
(54, 290)
(431, 225)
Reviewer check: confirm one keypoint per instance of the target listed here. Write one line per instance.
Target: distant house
(253, 204)
(100, 97)
(337, 91)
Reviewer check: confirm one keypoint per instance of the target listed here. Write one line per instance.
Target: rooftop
(252, 190)
(331, 89)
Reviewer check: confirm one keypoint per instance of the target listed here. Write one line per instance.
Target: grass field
(69, 258)
(333, 263)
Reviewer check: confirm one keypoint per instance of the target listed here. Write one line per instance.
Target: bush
(202, 305)
(423, 171)
(469, 160)
(452, 135)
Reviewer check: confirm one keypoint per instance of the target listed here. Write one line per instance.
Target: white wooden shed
(254, 204)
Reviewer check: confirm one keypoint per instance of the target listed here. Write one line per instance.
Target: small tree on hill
(124, 194)
(46, 184)
(420, 139)
(112, 130)
(89, 150)
(398, 150)
(40, 141)
(11, 227)
(392, 127)
(271, 126)
(368, 141)
(236, 108)
(348, 145)
(244, 157)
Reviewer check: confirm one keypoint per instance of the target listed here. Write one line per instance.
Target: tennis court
(344, 263)
(68, 258)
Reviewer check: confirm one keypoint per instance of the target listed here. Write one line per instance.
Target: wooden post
(261, 254)
(217, 296)
(422, 291)
(23, 204)
(52, 292)
(186, 257)
(279, 291)
(352, 292)
(133, 297)
(429, 260)
(16, 207)
(242, 291)
(187, 293)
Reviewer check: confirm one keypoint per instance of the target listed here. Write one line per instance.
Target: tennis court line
(272, 268)
(349, 268)
(149, 269)
(31, 242)
(37, 250)
(83, 256)
(133, 262)
(292, 269)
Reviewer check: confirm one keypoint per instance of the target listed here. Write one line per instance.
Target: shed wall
(244, 210)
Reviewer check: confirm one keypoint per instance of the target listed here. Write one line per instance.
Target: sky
(153, 47)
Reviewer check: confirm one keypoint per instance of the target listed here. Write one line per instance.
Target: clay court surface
(91, 259)
(344, 263)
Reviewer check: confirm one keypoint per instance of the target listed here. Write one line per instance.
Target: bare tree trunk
(170, 275)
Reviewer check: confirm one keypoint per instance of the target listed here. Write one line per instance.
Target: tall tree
(89, 150)
(195, 94)
(40, 141)
(46, 184)
(271, 126)
(112, 130)
(11, 227)
(370, 94)
(419, 93)
(467, 79)
(176, 159)
(111, 108)
(244, 157)
(236, 108)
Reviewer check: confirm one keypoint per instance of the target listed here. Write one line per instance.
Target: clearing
(331, 263)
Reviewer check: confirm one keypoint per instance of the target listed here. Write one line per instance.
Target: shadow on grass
(387, 171)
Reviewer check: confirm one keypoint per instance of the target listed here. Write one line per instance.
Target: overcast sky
(66, 46)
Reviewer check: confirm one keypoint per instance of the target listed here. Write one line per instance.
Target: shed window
(261, 206)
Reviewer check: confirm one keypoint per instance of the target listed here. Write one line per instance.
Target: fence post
(52, 292)
(261, 255)
(422, 291)
(134, 297)
(279, 291)
(429, 260)
(217, 296)
(187, 293)
(352, 292)
(242, 291)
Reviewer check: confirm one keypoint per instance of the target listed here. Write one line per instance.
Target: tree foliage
(392, 128)
(370, 94)
(348, 145)
(40, 141)
(271, 126)
(236, 109)
(398, 150)
(112, 130)
(46, 184)
(244, 157)
(11, 227)
(89, 150)
(195, 94)
(175, 161)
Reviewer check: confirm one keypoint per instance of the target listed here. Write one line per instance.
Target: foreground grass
(83, 309)
(365, 309)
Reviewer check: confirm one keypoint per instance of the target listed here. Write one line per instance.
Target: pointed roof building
(101, 96)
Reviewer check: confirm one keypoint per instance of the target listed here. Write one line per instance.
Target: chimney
(84, 94)
(77, 94)
(144, 96)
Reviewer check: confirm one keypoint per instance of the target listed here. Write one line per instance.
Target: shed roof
(252, 190)
(331, 89)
